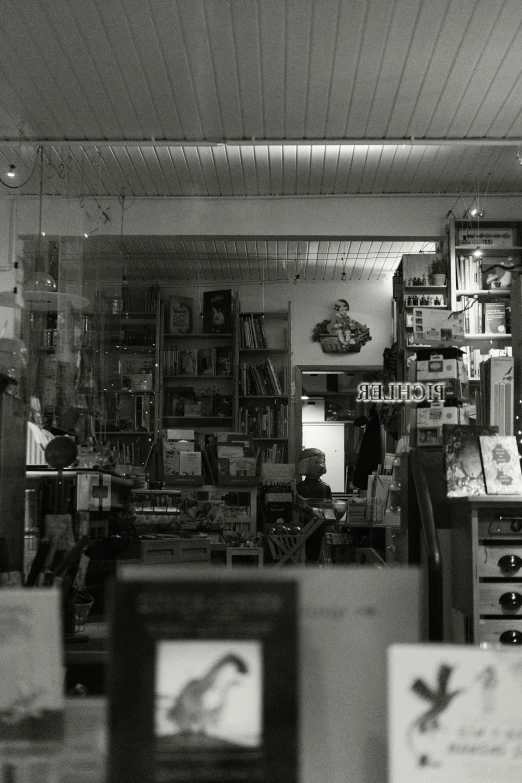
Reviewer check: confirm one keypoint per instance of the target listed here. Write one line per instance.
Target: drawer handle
(510, 564)
(510, 601)
(511, 637)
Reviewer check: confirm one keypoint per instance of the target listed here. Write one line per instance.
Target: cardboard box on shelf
(437, 416)
(436, 369)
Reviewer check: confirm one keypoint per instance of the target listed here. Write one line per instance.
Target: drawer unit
(160, 551)
(487, 567)
(170, 550)
(194, 551)
(499, 561)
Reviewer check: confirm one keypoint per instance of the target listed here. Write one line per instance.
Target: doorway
(328, 417)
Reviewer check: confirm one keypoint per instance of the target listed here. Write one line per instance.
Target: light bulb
(343, 276)
(297, 278)
(477, 253)
(12, 171)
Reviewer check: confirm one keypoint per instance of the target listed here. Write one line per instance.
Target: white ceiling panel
(259, 69)
(260, 98)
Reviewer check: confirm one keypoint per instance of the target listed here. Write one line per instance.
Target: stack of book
(264, 421)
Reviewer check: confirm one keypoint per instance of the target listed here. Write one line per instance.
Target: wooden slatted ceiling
(273, 69)
(170, 259)
(249, 170)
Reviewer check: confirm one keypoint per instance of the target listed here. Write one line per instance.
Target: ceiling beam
(367, 142)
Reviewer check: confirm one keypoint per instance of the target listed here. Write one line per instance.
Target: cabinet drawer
(501, 599)
(167, 551)
(498, 561)
(506, 632)
(192, 551)
(501, 526)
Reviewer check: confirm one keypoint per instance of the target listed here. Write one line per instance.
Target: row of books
(129, 452)
(201, 361)
(274, 454)
(265, 421)
(262, 379)
(473, 358)
(468, 271)
(487, 318)
(252, 333)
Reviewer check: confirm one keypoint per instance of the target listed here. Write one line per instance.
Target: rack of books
(485, 258)
(263, 381)
(197, 368)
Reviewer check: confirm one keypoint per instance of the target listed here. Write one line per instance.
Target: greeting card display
(501, 462)
(462, 460)
(204, 682)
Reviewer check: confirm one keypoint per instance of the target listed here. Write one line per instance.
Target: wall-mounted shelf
(485, 293)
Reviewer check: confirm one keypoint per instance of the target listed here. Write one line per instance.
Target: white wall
(323, 216)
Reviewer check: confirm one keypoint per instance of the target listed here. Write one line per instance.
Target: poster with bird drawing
(209, 693)
(206, 686)
(454, 714)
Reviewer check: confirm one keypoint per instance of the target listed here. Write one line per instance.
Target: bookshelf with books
(197, 368)
(415, 290)
(127, 376)
(262, 385)
(485, 258)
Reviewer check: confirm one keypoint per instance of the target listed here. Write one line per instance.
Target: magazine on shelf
(462, 459)
(176, 399)
(205, 361)
(217, 311)
(188, 362)
(223, 360)
(501, 462)
(180, 315)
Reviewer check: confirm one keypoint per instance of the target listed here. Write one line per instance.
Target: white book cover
(349, 618)
(501, 462)
(31, 660)
(454, 714)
